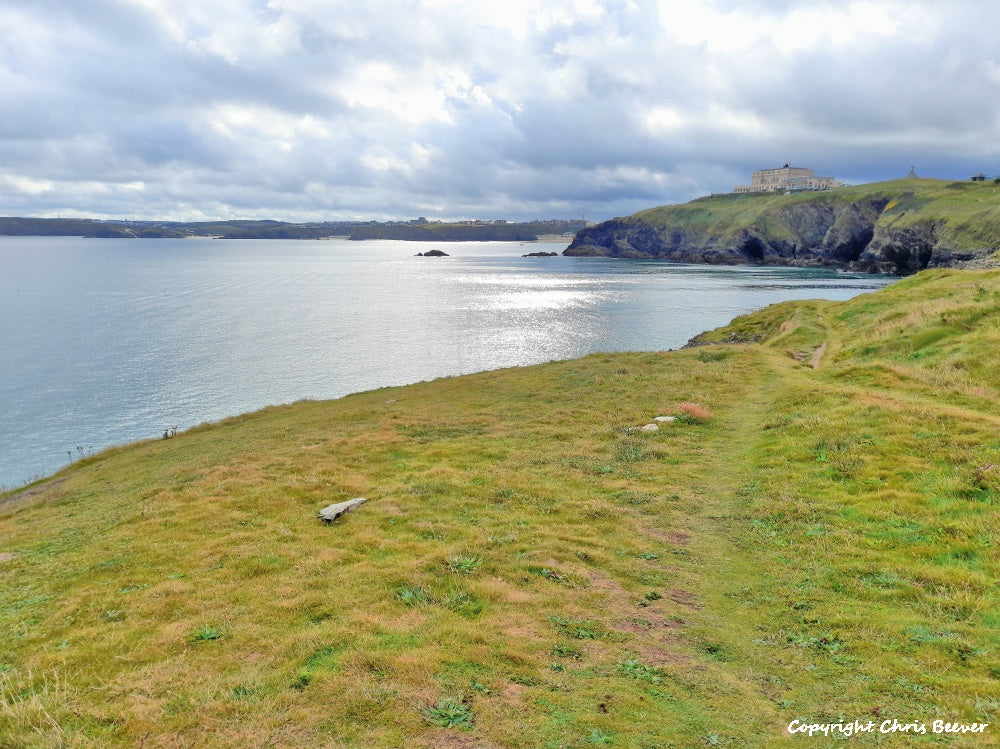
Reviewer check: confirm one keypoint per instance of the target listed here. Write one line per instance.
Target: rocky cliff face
(822, 232)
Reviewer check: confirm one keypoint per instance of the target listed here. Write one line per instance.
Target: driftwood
(332, 512)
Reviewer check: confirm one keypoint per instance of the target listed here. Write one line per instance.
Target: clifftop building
(787, 178)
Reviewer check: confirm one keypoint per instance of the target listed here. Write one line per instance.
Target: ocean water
(104, 342)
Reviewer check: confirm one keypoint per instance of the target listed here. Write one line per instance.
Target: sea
(108, 341)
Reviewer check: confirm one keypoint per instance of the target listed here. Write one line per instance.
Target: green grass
(967, 213)
(529, 571)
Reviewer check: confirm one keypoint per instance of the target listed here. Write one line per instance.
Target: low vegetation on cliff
(898, 227)
(813, 537)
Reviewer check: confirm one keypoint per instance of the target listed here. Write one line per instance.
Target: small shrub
(597, 736)
(629, 450)
(634, 669)
(986, 477)
(710, 356)
(979, 483)
(600, 512)
(480, 687)
(566, 651)
(206, 634)
(584, 629)
(463, 603)
(450, 712)
(411, 595)
(923, 634)
(552, 575)
(464, 565)
(634, 498)
(692, 413)
(323, 657)
(243, 693)
(830, 643)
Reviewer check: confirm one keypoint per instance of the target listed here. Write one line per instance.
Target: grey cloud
(257, 108)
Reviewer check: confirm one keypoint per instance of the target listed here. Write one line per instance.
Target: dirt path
(30, 492)
(817, 356)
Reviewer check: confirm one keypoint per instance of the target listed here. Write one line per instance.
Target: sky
(313, 110)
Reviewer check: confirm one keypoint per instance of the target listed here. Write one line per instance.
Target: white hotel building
(787, 178)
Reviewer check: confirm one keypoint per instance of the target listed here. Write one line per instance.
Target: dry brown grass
(693, 413)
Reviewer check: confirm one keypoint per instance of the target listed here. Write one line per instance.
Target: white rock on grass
(650, 428)
(332, 512)
(665, 418)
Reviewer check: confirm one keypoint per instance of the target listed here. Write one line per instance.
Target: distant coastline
(418, 230)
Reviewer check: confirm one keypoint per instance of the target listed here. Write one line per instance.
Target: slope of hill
(814, 539)
(887, 227)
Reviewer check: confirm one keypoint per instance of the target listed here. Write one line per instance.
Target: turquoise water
(107, 341)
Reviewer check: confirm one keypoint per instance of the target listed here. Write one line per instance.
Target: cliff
(897, 227)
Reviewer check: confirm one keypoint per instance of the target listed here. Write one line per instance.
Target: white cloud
(413, 97)
(300, 109)
(664, 121)
(26, 185)
(804, 26)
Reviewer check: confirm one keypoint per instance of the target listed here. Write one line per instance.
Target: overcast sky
(330, 109)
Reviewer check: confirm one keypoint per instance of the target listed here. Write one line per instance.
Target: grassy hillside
(818, 541)
(968, 212)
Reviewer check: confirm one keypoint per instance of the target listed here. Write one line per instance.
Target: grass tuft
(206, 634)
(464, 564)
(450, 712)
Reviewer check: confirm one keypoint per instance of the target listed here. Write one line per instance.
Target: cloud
(311, 109)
